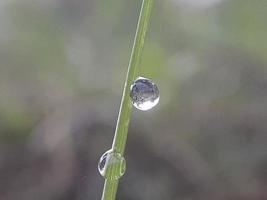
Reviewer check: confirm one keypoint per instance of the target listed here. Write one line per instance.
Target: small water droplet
(112, 165)
(144, 94)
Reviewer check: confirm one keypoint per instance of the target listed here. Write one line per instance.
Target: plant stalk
(119, 141)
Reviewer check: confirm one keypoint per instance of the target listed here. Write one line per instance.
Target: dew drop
(144, 94)
(112, 165)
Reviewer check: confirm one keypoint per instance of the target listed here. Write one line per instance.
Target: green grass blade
(110, 189)
(119, 141)
(125, 109)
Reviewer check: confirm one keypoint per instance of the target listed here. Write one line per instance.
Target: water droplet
(144, 94)
(112, 165)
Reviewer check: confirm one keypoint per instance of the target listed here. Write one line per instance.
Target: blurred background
(62, 70)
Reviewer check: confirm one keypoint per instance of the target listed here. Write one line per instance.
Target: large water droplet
(112, 165)
(144, 94)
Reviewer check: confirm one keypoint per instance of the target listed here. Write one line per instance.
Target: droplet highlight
(144, 94)
(112, 165)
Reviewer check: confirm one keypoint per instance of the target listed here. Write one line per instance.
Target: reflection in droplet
(112, 165)
(144, 94)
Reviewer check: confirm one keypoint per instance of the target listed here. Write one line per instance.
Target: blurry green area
(62, 70)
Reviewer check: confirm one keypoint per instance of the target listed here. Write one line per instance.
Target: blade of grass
(119, 141)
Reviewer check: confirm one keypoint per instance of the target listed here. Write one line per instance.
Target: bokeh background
(62, 70)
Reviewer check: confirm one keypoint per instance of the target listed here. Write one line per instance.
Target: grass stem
(121, 132)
